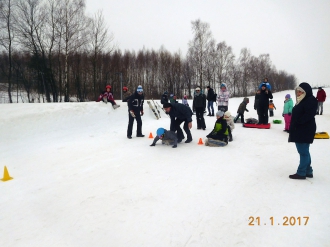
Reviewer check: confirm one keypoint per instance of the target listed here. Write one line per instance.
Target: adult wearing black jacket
(210, 100)
(199, 105)
(302, 128)
(180, 113)
(164, 98)
(263, 104)
(135, 107)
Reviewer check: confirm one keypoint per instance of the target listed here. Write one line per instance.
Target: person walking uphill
(199, 105)
(320, 96)
(180, 113)
(263, 104)
(241, 109)
(302, 128)
(135, 107)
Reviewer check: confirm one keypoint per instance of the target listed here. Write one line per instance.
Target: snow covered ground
(78, 181)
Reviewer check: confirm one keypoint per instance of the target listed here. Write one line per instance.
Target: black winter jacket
(199, 101)
(263, 102)
(210, 95)
(164, 99)
(135, 102)
(303, 126)
(180, 111)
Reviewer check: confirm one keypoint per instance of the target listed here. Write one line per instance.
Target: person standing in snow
(287, 111)
(223, 98)
(263, 104)
(211, 97)
(179, 113)
(126, 94)
(107, 96)
(303, 128)
(168, 137)
(135, 107)
(164, 98)
(185, 100)
(271, 108)
(199, 105)
(320, 96)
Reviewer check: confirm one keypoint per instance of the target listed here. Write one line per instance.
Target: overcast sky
(296, 33)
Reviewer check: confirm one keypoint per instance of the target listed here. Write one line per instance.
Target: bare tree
(225, 63)
(74, 32)
(7, 38)
(100, 42)
(199, 49)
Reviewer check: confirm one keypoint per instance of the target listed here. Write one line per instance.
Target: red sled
(258, 126)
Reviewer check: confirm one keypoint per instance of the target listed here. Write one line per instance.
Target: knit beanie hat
(288, 96)
(227, 114)
(167, 105)
(139, 89)
(219, 114)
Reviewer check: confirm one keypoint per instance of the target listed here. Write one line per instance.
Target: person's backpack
(215, 97)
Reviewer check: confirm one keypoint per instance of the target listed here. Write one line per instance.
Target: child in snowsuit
(126, 94)
(287, 111)
(107, 96)
(219, 135)
(185, 101)
(231, 125)
(271, 108)
(241, 110)
(168, 137)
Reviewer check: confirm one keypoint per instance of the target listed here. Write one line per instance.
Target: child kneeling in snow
(219, 135)
(231, 125)
(168, 137)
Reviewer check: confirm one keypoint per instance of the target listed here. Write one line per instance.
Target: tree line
(53, 52)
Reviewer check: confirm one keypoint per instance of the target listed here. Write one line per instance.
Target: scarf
(300, 98)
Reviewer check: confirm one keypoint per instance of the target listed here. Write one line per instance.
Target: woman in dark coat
(263, 104)
(303, 128)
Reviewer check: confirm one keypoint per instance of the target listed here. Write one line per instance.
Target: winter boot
(296, 176)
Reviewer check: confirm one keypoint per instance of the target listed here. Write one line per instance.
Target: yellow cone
(6, 176)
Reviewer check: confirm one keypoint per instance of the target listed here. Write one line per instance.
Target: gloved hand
(142, 113)
(247, 110)
(132, 113)
(255, 108)
(289, 113)
(152, 145)
(174, 146)
(283, 115)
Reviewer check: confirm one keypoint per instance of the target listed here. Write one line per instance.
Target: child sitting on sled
(107, 96)
(168, 137)
(219, 135)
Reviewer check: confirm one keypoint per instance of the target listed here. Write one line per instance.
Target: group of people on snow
(299, 118)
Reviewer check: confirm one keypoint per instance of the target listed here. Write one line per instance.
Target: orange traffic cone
(200, 142)
(150, 136)
(6, 176)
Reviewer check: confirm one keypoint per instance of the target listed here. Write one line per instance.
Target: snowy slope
(78, 181)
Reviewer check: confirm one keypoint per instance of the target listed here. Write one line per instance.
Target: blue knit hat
(139, 89)
(288, 96)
